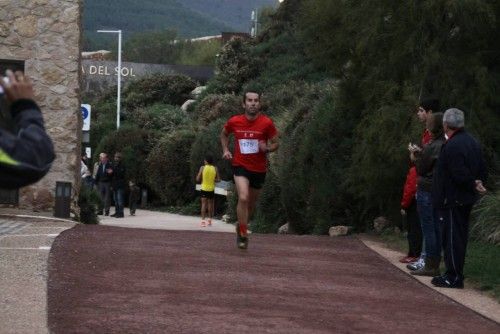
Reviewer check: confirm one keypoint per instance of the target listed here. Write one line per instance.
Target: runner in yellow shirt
(207, 175)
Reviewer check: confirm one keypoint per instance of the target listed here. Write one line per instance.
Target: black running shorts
(207, 194)
(256, 179)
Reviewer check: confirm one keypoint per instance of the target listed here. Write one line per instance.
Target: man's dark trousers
(455, 233)
(104, 189)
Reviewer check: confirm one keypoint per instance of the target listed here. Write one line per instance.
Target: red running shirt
(247, 135)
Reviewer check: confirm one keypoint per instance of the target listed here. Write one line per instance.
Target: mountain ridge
(190, 18)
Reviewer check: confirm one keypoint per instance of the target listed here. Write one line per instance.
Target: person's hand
(17, 86)
(227, 155)
(414, 148)
(263, 146)
(480, 187)
(403, 212)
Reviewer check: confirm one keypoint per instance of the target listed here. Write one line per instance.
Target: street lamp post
(118, 97)
(255, 23)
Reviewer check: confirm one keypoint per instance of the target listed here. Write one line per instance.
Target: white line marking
(66, 227)
(30, 235)
(26, 248)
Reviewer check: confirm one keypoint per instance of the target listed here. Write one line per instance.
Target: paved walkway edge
(483, 305)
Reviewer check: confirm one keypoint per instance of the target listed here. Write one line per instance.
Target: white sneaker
(417, 265)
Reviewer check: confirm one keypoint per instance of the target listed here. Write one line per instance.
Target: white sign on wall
(88, 152)
(85, 108)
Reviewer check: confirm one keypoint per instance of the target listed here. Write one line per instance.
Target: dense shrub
(159, 119)
(168, 168)
(281, 60)
(269, 214)
(388, 55)
(103, 119)
(235, 65)
(88, 201)
(311, 167)
(134, 145)
(157, 88)
(213, 107)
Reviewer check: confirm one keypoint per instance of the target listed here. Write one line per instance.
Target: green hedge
(157, 88)
(168, 165)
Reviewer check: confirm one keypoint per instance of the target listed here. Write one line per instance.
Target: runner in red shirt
(255, 135)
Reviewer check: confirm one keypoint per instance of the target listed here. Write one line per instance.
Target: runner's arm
(224, 140)
(273, 144)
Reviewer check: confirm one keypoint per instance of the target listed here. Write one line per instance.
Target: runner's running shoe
(241, 241)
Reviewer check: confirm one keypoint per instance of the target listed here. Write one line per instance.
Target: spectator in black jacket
(426, 163)
(457, 182)
(118, 184)
(103, 177)
(27, 154)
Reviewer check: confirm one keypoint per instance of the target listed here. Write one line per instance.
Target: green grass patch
(482, 263)
(482, 267)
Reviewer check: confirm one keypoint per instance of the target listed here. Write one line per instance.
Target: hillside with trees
(193, 18)
(342, 81)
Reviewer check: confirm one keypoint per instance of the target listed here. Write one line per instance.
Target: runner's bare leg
(243, 189)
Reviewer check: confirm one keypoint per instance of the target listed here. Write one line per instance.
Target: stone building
(43, 37)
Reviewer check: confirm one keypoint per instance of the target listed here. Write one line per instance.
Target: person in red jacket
(409, 211)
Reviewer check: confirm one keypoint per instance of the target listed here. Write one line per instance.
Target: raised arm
(26, 155)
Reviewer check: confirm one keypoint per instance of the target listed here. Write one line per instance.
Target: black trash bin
(63, 200)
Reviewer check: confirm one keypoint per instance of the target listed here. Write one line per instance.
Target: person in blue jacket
(26, 152)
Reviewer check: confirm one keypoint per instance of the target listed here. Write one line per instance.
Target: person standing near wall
(103, 177)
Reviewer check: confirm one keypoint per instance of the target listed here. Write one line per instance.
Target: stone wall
(45, 34)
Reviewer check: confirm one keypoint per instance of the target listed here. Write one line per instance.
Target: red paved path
(115, 280)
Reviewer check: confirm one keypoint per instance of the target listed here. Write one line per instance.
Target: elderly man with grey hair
(457, 183)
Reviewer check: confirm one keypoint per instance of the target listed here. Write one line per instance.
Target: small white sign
(88, 152)
(85, 109)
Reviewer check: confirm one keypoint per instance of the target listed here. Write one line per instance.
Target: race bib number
(249, 146)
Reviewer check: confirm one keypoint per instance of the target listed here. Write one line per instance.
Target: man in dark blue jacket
(118, 184)
(103, 177)
(26, 153)
(457, 183)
